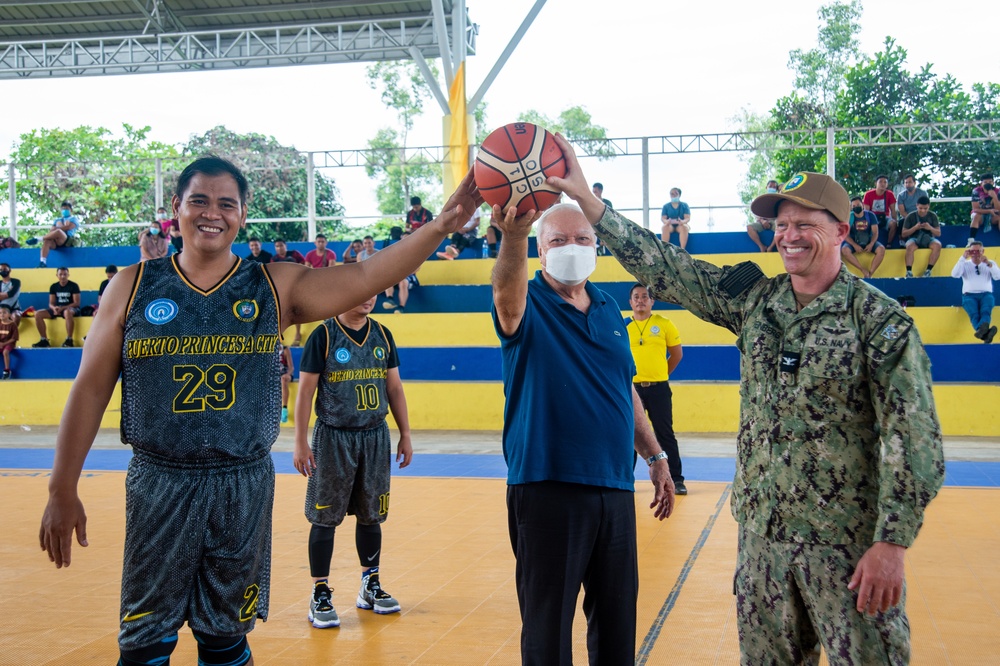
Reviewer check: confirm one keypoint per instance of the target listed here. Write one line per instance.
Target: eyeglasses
(977, 269)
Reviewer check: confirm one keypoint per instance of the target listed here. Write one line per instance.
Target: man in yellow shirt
(656, 349)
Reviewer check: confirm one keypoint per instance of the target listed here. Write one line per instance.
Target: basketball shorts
(197, 548)
(351, 477)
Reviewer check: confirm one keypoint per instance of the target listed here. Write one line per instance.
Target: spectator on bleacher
(463, 238)
(862, 237)
(760, 224)
(10, 291)
(321, 257)
(977, 273)
(8, 336)
(676, 217)
(922, 229)
(285, 359)
(494, 236)
(368, 245)
(353, 251)
(906, 201)
(598, 190)
(64, 230)
(152, 244)
(417, 216)
(64, 301)
(395, 235)
(170, 228)
(109, 272)
(985, 206)
(256, 253)
(882, 202)
(282, 255)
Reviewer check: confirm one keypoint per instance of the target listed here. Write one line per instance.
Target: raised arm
(100, 366)
(510, 272)
(313, 295)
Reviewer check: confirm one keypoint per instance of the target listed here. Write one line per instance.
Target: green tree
(109, 179)
(819, 72)
(403, 89)
(577, 125)
(880, 90)
(278, 183)
(761, 163)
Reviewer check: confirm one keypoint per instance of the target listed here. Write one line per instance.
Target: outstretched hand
(460, 205)
(512, 225)
(574, 183)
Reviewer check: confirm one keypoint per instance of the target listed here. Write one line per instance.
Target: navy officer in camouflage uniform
(839, 449)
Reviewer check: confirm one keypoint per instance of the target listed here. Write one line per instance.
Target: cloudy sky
(640, 67)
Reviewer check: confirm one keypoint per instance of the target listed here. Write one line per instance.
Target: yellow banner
(459, 139)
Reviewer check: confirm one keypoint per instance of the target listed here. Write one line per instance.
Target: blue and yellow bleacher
(451, 358)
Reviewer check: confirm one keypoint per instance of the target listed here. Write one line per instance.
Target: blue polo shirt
(567, 379)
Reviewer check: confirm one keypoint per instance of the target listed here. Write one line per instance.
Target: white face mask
(571, 264)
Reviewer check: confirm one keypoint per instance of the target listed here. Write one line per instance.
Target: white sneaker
(373, 597)
(322, 614)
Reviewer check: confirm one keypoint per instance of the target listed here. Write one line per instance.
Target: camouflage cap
(812, 190)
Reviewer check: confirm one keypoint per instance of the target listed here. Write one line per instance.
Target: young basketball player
(202, 327)
(352, 360)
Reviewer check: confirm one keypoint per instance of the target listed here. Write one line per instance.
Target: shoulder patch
(739, 278)
(891, 332)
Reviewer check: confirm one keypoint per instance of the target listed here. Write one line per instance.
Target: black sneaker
(44, 342)
(990, 335)
(680, 488)
(983, 329)
(6, 374)
(68, 342)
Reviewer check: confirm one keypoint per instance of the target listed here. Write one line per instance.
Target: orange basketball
(512, 166)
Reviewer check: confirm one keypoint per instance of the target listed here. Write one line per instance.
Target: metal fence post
(831, 154)
(645, 182)
(159, 183)
(12, 190)
(311, 183)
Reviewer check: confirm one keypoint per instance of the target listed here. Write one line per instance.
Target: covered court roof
(102, 37)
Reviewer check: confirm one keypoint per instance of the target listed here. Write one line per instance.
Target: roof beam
(276, 9)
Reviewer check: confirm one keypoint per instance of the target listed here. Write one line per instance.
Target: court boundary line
(668, 605)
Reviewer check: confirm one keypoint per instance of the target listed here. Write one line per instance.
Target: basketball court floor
(447, 558)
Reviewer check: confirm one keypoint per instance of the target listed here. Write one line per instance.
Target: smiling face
(210, 213)
(369, 244)
(808, 241)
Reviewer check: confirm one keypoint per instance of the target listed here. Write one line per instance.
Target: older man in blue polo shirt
(572, 423)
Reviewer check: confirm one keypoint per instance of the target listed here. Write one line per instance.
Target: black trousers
(657, 400)
(565, 535)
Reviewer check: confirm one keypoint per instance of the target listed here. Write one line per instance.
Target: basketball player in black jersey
(194, 338)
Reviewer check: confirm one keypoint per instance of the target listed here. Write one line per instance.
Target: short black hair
(599, 186)
(910, 175)
(280, 240)
(880, 177)
(4, 306)
(636, 286)
(318, 236)
(252, 239)
(110, 268)
(856, 198)
(986, 176)
(369, 238)
(4, 263)
(923, 201)
(66, 204)
(212, 165)
(356, 240)
(62, 268)
(678, 190)
(414, 201)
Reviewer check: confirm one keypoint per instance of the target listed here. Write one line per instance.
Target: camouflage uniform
(839, 444)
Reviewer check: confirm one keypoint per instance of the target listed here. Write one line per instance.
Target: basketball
(512, 166)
